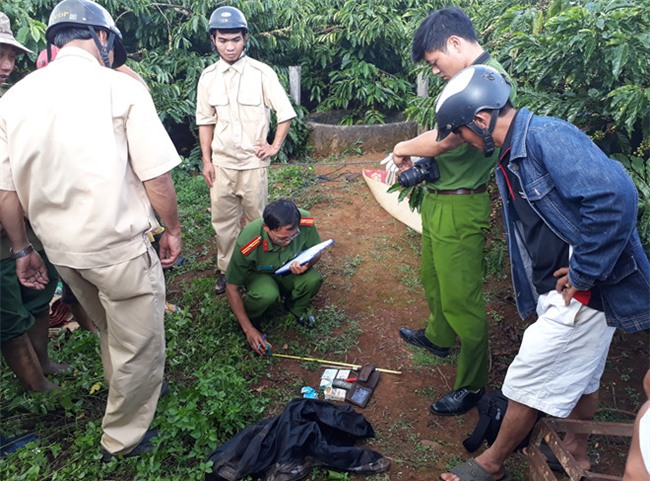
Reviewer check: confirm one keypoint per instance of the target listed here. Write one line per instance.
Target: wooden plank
(590, 427)
(547, 429)
(566, 459)
(537, 465)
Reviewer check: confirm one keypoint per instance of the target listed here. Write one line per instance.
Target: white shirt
(76, 142)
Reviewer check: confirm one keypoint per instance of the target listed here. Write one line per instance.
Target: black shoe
(456, 402)
(306, 320)
(144, 447)
(417, 338)
(220, 285)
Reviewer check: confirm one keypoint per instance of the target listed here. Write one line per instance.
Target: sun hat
(7, 37)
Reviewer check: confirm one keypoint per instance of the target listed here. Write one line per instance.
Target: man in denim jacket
(570, 214)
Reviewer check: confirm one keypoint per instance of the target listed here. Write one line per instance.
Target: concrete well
(327, 137)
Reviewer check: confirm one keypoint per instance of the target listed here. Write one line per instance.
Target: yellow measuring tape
(335, 363)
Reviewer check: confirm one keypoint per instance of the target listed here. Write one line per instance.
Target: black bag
(491, 409)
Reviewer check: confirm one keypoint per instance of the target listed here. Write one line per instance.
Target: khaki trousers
(235, 192)
(127, 303)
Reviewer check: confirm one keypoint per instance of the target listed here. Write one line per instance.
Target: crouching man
(264, 246)
(570, 219)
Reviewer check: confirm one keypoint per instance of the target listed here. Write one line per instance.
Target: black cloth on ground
(307, 434)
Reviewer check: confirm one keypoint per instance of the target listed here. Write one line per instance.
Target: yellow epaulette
(250, 247)
(307, 221)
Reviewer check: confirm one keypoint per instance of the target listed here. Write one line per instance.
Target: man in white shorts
(577, 260)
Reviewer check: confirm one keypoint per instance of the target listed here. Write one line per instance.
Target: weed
(497, 317)
(353, 150)
(193, 202)
(288, 181)
(633, 395)
(410, 276)
(330, 321)
(350, 266)
(454, 460)
(494, 259)
(519, 470)
(611, 415)
(422, 358)
(378, 477)
(428, 392)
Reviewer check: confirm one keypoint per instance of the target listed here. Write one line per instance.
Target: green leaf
(403, 193)
(619, 58)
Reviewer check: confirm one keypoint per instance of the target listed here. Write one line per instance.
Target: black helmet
(476, 88)
(75, 13)
(227, 18)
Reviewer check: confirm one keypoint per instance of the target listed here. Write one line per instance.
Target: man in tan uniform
(84, 154)
(234, 99)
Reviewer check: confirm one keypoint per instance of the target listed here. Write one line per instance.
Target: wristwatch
(24, 252)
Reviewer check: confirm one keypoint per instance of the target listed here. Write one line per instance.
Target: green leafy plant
(584, 61)
(639, 170)
(414, 194)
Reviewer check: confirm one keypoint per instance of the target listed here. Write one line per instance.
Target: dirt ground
(371, 273)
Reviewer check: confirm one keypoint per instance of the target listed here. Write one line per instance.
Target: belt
(479, 190)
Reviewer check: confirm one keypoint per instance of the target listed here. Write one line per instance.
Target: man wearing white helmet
(235, 96)
(89, 165)
(576, 257)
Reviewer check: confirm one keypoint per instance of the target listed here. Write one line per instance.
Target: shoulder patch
(250, 247)
(307, 221)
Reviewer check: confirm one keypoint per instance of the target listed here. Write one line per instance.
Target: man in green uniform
(455, 215)
(264, 246)
(24, 312)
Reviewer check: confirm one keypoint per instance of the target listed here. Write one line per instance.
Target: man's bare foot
(579, 452)
(55, 368)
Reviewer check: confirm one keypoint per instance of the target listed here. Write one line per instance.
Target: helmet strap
(486, 134)
(103, 50)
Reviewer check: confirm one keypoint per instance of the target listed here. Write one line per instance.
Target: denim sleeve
(595, 199)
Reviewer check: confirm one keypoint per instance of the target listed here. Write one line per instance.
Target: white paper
(305, 256)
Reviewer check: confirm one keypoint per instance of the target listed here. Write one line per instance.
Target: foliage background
(582, 60)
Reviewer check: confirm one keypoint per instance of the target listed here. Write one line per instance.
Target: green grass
(350, 266)
(410, 276)
(354, 150)
(423, 358)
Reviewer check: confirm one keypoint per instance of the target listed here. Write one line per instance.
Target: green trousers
(18, 304)
(453, 238)
(265, 291)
